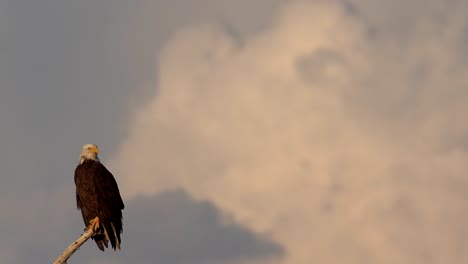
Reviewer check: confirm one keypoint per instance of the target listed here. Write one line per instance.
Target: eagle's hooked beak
(95, 149)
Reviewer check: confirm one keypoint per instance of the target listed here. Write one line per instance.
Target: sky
(239, 132)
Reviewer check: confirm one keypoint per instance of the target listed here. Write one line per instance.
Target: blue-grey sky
(265, 131)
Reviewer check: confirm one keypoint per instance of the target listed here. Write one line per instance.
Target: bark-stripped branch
(62, 259)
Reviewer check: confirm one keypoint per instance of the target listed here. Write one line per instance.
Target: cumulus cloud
(173, 228)
(341, 136)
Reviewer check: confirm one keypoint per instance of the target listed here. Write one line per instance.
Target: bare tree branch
(62, 259)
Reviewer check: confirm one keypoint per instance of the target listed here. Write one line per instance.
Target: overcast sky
(240, 132)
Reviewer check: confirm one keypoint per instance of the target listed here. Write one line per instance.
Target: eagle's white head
(89, 152)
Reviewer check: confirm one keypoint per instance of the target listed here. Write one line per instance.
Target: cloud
(339, 134)
(188, 231)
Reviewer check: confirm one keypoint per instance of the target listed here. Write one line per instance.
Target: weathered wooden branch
(62, 259)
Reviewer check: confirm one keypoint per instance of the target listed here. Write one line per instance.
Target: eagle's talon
(93, 224)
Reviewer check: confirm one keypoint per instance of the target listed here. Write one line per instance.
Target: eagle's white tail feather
(117, 242)
(106, 236)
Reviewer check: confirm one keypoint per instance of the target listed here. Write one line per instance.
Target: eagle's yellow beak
(95, 150)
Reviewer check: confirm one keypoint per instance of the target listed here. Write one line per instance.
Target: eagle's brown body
(97, 195)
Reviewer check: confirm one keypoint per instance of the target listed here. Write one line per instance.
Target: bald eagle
(98, 198)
